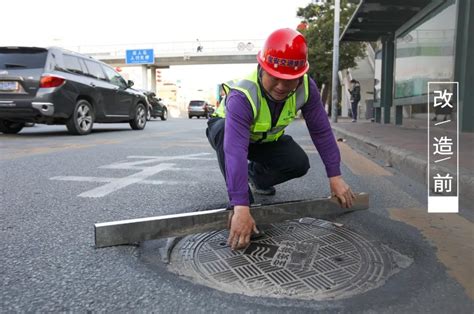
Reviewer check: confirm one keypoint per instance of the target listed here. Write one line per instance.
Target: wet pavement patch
(301, 259)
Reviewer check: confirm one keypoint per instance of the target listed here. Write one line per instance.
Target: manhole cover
(304, 259)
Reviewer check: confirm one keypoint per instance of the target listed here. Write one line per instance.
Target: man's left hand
(342, 191)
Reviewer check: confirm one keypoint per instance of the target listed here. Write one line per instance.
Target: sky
(105, 22)
(87, 22)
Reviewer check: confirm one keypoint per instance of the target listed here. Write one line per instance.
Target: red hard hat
(284, 54)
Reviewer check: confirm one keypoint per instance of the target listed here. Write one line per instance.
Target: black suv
(156, 108)
(57, 86)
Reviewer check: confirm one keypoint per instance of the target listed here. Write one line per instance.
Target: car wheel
(148, 113)
(82, 119)
(139, 120)
(164, 115)
(10, 127)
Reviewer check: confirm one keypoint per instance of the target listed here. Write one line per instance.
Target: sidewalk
(405, 148)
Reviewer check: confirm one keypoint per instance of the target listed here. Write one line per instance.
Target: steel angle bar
(135, 230)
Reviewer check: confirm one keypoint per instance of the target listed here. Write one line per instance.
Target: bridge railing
(168, 49)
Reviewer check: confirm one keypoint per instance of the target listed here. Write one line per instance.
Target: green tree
(319, 36)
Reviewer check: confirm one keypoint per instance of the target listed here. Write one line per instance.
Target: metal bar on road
(135, 230)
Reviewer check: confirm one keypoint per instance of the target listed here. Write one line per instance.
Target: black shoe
(259, 190)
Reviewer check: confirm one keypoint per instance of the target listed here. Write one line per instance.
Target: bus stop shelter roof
(375, 18)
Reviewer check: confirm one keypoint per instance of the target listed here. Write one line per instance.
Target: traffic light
(158, 76)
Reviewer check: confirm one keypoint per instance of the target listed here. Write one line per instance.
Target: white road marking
(124, 182)
(108, 180)
(115, 184)
(153, 159)
(82, 179)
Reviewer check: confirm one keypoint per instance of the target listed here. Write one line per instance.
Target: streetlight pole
(335, 60)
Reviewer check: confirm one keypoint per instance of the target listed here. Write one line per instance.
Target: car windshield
(196, 103)
(22, 58)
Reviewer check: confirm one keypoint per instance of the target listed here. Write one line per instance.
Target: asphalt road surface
(54, 187)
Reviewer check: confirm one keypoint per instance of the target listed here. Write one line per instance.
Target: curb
(404, 161)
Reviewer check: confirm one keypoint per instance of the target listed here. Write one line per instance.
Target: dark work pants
(271, 163)
(354, 104)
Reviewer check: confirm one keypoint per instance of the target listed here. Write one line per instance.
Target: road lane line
(108, 180)
(83, 179)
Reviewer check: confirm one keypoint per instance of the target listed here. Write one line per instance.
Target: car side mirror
(130, 83)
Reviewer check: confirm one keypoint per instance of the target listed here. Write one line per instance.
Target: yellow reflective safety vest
(261, 129)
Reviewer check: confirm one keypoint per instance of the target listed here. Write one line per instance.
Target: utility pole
(335, 60)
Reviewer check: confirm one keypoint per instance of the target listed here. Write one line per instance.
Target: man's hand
(342, 191)
(241, 227)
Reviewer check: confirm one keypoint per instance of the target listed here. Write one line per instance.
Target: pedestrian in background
(199, 46)
(355, 98)
(248, 131)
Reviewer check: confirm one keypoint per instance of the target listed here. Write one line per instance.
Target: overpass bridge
(181, 53)
(168, 54)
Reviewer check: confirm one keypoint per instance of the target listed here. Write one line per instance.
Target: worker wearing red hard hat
(248, 130)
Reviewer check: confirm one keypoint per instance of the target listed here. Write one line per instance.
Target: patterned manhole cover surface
(302, 259)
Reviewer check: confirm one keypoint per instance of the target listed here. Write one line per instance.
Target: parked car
(156, 108)
(199, 108)
(57, 86)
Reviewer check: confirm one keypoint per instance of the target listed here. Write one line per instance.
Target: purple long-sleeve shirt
(239, 118)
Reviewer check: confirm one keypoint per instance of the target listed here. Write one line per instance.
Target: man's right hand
(241, 227)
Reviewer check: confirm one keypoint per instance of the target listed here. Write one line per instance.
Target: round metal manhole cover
(303, 259)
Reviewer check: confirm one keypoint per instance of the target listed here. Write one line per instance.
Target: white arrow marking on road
(123, 182)
(114, 184)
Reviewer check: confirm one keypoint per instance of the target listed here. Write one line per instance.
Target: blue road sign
(139, 56)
